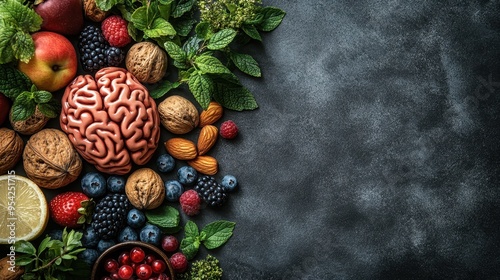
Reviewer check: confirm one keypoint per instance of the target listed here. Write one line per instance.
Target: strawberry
(71, 209)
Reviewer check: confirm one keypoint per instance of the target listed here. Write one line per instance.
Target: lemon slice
(24, 212)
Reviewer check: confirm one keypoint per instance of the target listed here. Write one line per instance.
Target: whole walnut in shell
(145, 189)
(11, 149)
(111, 120)
(50, 160)
(31, 125)
(178, 115)
(93, 12)
(147, 62)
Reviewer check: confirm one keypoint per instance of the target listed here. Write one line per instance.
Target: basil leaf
(183, 7)
(162, 88)
(210, 64)
(217, 233)
(164, 216)
(43, 245)
(202, 87)
(160, 27)
(24, 260)
(175, 52)
(13, 81)
(251, 31)
(272, 18)
(25, 247)
(221, 39)
(246, 63)
(234, 98)
(42, 96)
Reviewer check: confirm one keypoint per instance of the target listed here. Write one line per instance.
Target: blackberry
(92, 46)
(114, 56)
(210, 191)
(110, 215)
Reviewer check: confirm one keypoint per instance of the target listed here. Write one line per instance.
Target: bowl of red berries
(132, 260)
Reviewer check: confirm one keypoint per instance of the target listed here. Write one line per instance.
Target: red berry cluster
(136, 264)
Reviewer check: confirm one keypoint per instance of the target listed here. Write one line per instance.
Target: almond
(205, 164)
(181, 149)
(212, 114)
(207, 138)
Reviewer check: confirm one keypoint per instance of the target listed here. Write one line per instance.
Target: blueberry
(93, 184)
(229, 182)
(136, 218)
(165, 163)
(127, 234)
(187, 175)
(116, 184)
(104, 244)
(174, 189)
(55, 234)
(150, 234)
(89, 256)
(89, 238)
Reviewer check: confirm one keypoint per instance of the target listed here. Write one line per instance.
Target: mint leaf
(251, 31)
(221, 39)
(164, 216)
(192, 45)
(42, 96)
(190, 246)
(24, 260)
(25, 247)
(106, 5)
(50, 109)
(6, 51)
(184, 26)
(23, 107)
(202, 87)
(217, 233)
(210, 64)
(234, 98)
(13, 81)
(140, 18)
(160, 27)
(162, 88)
(23, 46)
(191, 229)
(22, 17)
(183, 7)
(175, 52)
(272, 18)
(246, 63)
(203, 30)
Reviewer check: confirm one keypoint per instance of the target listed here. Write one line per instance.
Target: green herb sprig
(53, 259)
(213, 235)
(166, 217)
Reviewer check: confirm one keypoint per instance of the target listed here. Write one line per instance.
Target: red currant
(124, 258)
(149, 259)
(169, 243)
(158, 266)
(125, 272)
(163, 276)
(143, 271)
(114, 276)
(179, 262)
(137, 255)
(111, 265)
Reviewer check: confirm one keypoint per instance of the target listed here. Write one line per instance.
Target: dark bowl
(98, 270)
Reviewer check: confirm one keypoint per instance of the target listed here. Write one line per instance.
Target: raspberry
(190, 202)
(179, 262)
(114, 29)
(228, 130)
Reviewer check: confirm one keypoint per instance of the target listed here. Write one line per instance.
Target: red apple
(54, 64)
(61, 16)
(4, 108)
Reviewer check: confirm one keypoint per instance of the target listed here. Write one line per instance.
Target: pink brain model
(111, 120)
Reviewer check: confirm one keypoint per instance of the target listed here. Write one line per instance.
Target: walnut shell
(8, 272)
(11, 149)
(147, 62)
(31, 125)
(50, 160)
(178, 115)
(145, 189)
(93, 12)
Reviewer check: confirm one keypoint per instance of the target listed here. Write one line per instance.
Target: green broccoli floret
(228, 13)
(204, 269)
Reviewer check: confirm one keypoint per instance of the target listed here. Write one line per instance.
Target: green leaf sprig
(213, 235)
(25, 96)
(166, 217)
(53, 259)
(17, 21)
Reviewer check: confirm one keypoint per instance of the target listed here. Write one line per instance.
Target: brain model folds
(111, 120)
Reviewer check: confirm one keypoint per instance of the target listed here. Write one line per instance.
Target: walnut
(147, 62)
(9, 272)
(145, 189)
(31, 125)
(93, 12)
(50, 160)
(178, 115)
(11, 149)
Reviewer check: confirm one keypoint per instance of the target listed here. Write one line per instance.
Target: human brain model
(111, 120)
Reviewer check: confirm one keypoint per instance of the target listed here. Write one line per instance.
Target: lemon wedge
(24, 212)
